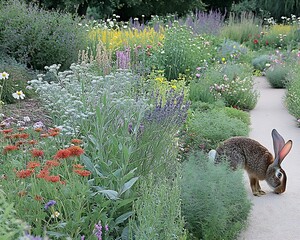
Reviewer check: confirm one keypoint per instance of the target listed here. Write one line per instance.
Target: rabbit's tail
(212, 155)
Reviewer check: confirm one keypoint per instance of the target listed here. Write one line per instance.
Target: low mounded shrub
(276, 75)
(37, 37)
(214, 200)
(207, 129)
(260, 62)
(238, 114)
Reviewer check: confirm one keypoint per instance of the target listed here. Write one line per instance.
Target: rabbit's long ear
(278, 142)
(284, 151)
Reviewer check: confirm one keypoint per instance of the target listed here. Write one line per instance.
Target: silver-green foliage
(158, 211)
(74, 96)
(10, 226)
(214, 200)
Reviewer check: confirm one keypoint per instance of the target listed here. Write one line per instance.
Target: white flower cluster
(73, 97)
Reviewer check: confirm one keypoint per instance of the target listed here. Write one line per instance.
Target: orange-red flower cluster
(37, 153)
(33, 164)
(9, 148)
(84, 173)
(62, 153)
(24, 173)
(76, 141)
(75, 151)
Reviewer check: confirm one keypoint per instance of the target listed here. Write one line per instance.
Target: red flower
(78, 166)
(53, 178)
(9, 148)
(5, 131)
(267, 43)
(52, 163)
(37, 153)
(44, 135)
(75, 150)
(24, 135)
(17, 135)
(53, 134)
(84, 173)
(255, 41)
(76, 141)
(63, 153)
(43, 173)
(32, 142)
(33, 164)
(24, 173)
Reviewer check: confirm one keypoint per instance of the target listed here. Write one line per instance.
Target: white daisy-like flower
(18, 95)
(4, 75)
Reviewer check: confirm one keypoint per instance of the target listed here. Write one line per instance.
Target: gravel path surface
(275, 217)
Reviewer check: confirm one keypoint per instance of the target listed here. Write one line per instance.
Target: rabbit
(256, 160)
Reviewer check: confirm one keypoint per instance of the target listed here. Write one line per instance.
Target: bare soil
(31, 108)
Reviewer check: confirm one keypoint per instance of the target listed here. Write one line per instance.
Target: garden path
(273, 216)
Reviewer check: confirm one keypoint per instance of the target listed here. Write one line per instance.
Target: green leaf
(110, 194)
(123, 217)
(128, 185)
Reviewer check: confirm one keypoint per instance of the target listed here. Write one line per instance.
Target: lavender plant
(204, 22)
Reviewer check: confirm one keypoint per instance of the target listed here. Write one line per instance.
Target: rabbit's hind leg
(255, 187)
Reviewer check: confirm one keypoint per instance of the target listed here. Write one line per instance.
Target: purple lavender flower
(173, 110)
(106, 227)
(49, 204)
(98, 230)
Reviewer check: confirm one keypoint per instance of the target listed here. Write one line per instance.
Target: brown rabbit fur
(256, 160)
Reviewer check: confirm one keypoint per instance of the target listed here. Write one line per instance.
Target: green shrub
(260, 62)
(292, 97)
(158, 211)
(214, 200)
(207, 129)
(199, 91)
(38, 38)
(276, 75)
(238, 114)
(10, 226)
(19, 75)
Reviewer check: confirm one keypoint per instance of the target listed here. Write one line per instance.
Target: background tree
(124, 8)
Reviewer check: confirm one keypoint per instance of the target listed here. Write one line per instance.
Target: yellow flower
(174, 87)
(223, 59)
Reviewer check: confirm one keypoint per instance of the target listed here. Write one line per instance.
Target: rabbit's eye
(278, 174)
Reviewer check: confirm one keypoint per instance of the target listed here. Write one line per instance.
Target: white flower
(55, 214)
(4, 75)
(26, 119)
(18, 95)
